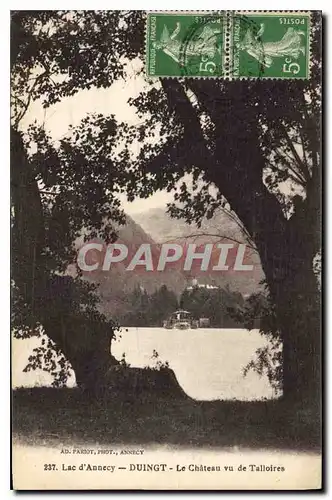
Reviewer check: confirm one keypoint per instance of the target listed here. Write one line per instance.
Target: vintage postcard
(166, 250)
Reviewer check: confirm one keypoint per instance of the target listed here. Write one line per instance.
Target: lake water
(208, 363)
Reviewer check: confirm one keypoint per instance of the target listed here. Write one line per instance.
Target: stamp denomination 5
(185, 45)
(228, 45)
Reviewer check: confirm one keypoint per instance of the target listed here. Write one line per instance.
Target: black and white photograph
(166, 250)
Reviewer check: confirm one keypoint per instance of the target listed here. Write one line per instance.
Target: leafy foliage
(49, 358)
(149, 310)
(215, 304)
(249, 146)
(55, 54)
(268, 359)
(158, 363)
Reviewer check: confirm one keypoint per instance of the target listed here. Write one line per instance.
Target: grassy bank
(46, 416)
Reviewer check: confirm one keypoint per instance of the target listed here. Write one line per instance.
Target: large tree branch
(236, 168)
(300, 179)
(220, 236)
(28, 229)
(295, 154)
(297, 180)
(191, 148)
(305, 160)
(238, 164)
(180, 104)
(26, 105)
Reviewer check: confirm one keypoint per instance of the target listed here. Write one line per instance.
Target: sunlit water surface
(208, 363)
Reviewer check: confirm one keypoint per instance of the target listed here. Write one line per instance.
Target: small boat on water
(181, 320)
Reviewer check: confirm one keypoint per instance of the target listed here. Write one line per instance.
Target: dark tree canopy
(251, 146)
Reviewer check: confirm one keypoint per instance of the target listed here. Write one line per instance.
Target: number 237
(49, 467)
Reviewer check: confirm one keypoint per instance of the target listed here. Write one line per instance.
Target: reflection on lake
(208, 363)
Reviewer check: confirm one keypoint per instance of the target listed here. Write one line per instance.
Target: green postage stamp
(186, 44)
(228, 45)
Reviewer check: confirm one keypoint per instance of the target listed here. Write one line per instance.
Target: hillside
(162, 228)
(115, 284)
(154, 227)
(220, 228)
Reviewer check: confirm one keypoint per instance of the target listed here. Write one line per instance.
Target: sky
(114, 100)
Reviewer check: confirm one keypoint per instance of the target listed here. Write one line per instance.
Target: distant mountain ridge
(220, 228)
(115, 284)
(154, 227)
(163, 228)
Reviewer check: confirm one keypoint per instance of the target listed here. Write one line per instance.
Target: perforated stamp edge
(227, 36)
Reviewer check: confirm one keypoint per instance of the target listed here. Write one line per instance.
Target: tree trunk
(28, 235)
(287, 248)
(287, 260)
(298, 313)
(235, 164)
(85, 348)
